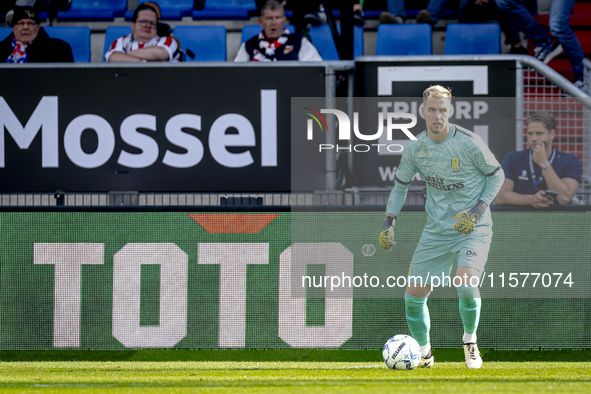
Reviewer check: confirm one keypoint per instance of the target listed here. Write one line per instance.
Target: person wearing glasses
(29, 43)
(143, 44)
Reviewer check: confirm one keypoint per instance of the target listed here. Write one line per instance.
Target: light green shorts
(435, 257)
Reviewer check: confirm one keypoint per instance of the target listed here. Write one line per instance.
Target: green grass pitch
(289, 376)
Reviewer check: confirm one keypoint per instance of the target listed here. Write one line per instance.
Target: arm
(493, 185)
(402, 180)
(509, 197)
(120, 57)
(152, 54)
(566, 187)
(467, 219)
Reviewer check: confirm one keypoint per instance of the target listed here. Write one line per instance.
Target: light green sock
(469, 307)
(417, 317)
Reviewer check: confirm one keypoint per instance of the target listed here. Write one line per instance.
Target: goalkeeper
(462, 177)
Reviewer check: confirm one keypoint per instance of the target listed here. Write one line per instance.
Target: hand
(387, 234)
(467, 220)
(538, 154)
(539, 201)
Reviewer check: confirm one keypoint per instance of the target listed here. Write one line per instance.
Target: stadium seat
(323, 41)
(112, 33)
(94, 10)
(77, 37)
(225, 9)
(5, 32)
(249, 31)
(171, 9)
(472, 39)
(396, 40)
(208, 43)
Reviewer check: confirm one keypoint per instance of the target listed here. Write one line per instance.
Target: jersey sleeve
(573, 170)
(484, 158)
(170, 45)
(486, 162)
(404, 174)
(116, 46)
(508, 165)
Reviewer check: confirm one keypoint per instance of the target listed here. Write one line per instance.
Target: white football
(402, 352)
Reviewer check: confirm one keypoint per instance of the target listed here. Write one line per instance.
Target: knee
(467, 292)
(559, 30)
(413, 303)
(507, 5)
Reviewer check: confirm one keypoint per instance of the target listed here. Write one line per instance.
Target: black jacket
(43, 49)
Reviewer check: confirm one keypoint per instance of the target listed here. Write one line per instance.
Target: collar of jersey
(449, 136)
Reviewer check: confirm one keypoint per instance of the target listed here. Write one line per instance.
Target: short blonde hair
(436, 91)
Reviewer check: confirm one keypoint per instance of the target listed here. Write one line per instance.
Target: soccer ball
(402, 352)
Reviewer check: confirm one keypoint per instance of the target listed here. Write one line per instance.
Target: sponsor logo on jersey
(439, 184)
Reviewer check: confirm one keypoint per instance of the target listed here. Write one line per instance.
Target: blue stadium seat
(5, 32)
(396, 40)
(472, 39)
(171, 9)
(77, 37)
(323, 41)
(208, 43)
(94, 10)
(225, 9)
(112, 33)
(250, 31)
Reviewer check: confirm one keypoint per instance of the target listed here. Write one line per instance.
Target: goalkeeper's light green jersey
(458, 172)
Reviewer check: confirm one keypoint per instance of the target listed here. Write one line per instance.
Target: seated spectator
(143, 44)
(396, 13)
(530, 173)
(547, 48)
(319, 17)
(29, 42)
(275, 42)
(475, 11)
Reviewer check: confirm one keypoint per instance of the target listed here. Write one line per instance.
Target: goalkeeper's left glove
(468, 218)
(387, 234)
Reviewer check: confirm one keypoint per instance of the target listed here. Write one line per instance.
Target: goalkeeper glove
(467, 220)
(387, 234)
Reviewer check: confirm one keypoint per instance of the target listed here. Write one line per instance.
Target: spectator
(529, 173)
(396, 13)
(560, 12)
(29, 42)
(546, 48)
(275, 42)
(319, 16)
(144, 44)
(474, 11)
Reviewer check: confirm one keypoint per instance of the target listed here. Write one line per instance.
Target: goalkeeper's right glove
(387, 234)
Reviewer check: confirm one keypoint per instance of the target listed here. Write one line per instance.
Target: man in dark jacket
(29, 43)
(275, 42)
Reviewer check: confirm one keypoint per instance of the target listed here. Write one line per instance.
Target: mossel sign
(175, 128)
